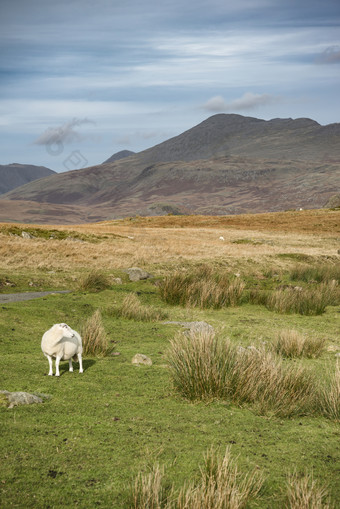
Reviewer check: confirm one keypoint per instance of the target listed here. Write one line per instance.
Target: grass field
(98, 431)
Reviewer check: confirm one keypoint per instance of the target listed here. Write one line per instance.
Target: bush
(202, 288)
(304, 493)
(94, 282)
(291, 343)
(94, 337)
(204, 367)
(132, 309)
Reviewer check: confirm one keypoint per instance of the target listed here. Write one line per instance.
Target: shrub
(133, 309)
(202, 288)
(304, 493)
(94, 337)
(94, 282)
(205, 367)
(291, 343)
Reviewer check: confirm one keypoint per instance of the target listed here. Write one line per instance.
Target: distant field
(85, 446)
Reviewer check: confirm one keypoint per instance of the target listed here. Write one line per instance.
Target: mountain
(15, 175)
(119, 155)
(227, 164)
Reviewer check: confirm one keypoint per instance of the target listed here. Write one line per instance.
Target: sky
(83, 79)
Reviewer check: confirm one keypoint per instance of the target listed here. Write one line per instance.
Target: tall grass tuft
(290, 343)
(94, 281)
(149, 492)
(133, 309)
(305, 493)
(329, 398)
(202, 288)
(319, 273)
(94, 337)
(221, 486)
(309, 302)
(203, 367)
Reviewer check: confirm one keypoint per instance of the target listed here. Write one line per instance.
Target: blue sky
(81, 80)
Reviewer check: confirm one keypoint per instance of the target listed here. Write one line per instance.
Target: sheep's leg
(80, 363)
(57, 360)
(50, 373)
(70, 365)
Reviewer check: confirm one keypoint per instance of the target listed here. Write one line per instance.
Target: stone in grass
(141, 359)
(136, 274)
(194, 327)
(12, 399)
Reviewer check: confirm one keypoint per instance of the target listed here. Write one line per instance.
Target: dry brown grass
(203, 367)
(164, 243)
(94, 337)
(329, 400)
(133, 309)
(221, 486)
(291, 343)
(305, 493)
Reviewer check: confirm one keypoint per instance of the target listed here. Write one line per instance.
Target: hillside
(15, 175)
(119, 155)
(228, 164)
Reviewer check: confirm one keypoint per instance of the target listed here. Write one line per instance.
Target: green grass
(86, 445)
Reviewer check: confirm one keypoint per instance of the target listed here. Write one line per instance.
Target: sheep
(62, 343)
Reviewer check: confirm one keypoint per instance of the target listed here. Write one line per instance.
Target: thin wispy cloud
(66, 133)
(248, 101)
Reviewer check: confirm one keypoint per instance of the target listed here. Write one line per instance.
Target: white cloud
(248, 101)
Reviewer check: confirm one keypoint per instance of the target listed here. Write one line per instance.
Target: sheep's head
(66, 330)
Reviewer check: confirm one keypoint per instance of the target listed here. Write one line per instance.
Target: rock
(337, 354)
(140, 358)
(194, 327)
(332, 348)
(117, 281)
(26, 235)
(136, 274)
(20, 398)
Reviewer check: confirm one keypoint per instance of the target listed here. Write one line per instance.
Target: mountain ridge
(15, 175)
(226, 164)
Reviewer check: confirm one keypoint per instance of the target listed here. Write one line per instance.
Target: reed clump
(203, 288)
(305, 493)
(204, 367)
(221, 485)
(132, 309)
(291, 343)
(95, 340)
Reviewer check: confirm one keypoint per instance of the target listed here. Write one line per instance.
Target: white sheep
(62, 343)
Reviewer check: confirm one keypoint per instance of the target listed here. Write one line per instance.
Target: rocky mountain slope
(15, 175)
(227, 164)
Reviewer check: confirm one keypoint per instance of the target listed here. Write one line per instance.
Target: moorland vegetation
(245, 414)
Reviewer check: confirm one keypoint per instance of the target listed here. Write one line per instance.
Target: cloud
(331, 55)
(248, 101)
(63, 134)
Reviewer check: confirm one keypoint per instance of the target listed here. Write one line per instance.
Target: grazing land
(99, 431)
